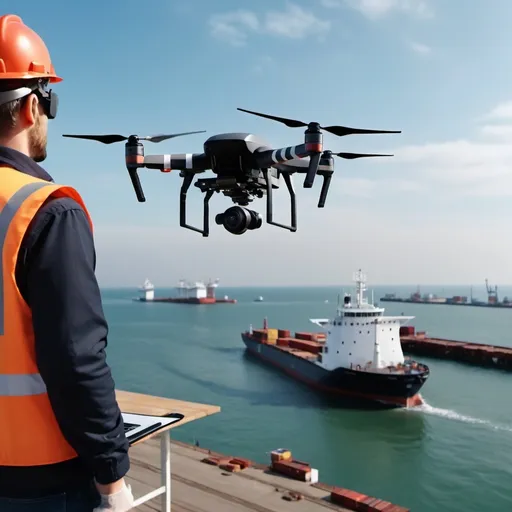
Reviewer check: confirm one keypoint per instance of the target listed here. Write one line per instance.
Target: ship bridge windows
(364, 315)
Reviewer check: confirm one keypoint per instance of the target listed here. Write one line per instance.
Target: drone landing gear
(187, 181)
(293, 202)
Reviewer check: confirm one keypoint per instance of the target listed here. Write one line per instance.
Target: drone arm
(312, 148)
(197, 162)
(270, 157)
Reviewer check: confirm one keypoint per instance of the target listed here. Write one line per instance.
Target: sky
(438, 212)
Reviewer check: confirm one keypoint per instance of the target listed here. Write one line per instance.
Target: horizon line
(126, 287)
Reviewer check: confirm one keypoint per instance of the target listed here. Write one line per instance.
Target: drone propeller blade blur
(352, 156)
(288, 122)
(160, 138)
(105, 139)
(111, 138)
(340, 131)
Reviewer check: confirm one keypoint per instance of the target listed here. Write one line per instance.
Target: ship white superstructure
(360, 336)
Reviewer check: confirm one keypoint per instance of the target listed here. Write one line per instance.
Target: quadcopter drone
(245, 167)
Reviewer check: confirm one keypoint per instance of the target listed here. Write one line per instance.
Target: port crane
(492, 293)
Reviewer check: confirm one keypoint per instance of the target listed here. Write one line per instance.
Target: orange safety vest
(29, 432)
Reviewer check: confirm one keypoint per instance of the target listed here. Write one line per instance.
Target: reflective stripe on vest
(16, 385)
(6, 216)
(22, 385)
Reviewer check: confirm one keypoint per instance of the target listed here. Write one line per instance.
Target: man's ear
(29, 110)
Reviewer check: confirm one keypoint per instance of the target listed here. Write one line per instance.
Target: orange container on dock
(243, 463)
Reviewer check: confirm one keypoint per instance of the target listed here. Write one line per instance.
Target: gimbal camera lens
(237, 220)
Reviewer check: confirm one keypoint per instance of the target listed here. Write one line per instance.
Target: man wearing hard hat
(62, 442)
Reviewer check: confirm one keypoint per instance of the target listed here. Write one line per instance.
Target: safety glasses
(48, 99)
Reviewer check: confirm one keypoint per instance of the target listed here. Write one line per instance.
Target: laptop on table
(138, 426)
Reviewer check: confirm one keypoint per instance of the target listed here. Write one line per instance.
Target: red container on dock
(283, 333)
(380, 507)
(292, 469)
(350, 499)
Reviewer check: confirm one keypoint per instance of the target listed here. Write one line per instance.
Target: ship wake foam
(449, 414)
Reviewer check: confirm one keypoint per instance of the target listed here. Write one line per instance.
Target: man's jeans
(73, 501)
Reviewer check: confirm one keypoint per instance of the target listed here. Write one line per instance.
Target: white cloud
(233, 27)
(479, 166)
(379, 8)
(498, 131)
(367, 188)
(293, 22)
(501, 111)
(420, 48)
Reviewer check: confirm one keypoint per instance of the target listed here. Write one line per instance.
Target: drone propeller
(110, 139)
(352, 156)
(340, 131)
(313, 139)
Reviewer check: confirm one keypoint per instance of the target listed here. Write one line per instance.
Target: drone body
(245, 167)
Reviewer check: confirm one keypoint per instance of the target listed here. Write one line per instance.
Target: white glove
(121, 501)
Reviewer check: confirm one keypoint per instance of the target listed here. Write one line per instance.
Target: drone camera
(237, 220)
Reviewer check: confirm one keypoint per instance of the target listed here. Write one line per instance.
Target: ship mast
(360, 280)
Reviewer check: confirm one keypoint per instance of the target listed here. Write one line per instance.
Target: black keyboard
(129, 426)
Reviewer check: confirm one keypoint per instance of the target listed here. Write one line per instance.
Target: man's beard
(37, 142)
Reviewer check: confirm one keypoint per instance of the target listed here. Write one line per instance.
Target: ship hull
(191, 300)
(395, 390)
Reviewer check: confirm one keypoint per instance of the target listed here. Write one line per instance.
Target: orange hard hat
(23, 54)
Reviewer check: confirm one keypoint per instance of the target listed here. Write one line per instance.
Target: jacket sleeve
(57, 278)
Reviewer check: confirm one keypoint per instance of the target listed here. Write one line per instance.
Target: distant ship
(456, 300)
(187, 293)
(258, 299)
(358, 354)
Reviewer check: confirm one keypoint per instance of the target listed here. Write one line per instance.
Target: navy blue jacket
(56, 276)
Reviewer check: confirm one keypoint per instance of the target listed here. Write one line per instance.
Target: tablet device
(138, 426)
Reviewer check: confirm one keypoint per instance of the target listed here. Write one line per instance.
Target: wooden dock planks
(200, 487)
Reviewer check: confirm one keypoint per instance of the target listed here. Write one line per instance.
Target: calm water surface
(452, 454)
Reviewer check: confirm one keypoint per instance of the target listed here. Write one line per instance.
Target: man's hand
(115, 497)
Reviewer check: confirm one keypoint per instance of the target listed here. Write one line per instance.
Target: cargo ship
(187, 293)
(357, 354)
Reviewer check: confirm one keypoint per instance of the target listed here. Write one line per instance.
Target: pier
(200, 487)
(172, 476)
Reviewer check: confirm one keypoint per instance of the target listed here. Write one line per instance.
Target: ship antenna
(360, 279)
